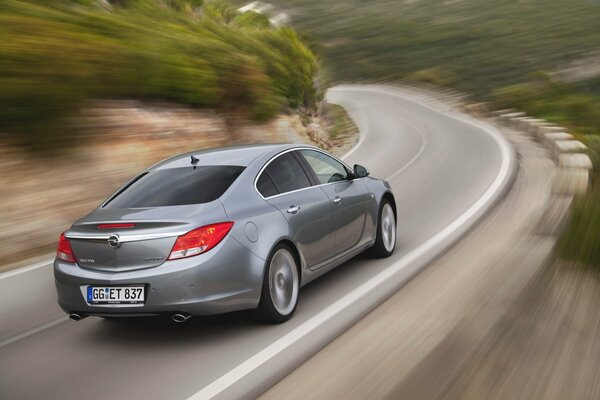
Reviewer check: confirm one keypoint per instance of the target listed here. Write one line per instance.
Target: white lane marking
(267, 353)
(360, 140)
(33, 331)
(415, 157)
(28, 268)
(364, 134)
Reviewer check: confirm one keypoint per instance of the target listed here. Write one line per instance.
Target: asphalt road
(446, 171)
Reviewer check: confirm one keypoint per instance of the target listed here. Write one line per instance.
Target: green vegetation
(580, 241)
(486, 44)
(478, 46)
(515, 53)
(339, 122)
(556, 102)
(55, 54)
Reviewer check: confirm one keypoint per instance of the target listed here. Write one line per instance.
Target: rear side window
(287, 174)
(177, 186)
(265, 185)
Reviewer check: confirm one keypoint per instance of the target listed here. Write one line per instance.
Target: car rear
(159, 245)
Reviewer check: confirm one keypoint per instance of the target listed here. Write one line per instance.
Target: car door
(349, 197)
(287, 185)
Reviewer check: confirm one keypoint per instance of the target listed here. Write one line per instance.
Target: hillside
(56, 55)
(475, 45)
(484, 43)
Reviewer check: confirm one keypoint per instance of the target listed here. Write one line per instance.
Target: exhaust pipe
(76, 317)
(180, 318)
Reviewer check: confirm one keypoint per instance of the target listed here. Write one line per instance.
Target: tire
(385, 241)
(281, 286)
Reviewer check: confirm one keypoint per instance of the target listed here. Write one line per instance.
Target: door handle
(337, 200)
(293, 209)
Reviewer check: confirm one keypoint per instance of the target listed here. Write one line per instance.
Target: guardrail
(574, 165)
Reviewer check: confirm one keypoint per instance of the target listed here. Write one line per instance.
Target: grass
(580, 241)
(339, 122)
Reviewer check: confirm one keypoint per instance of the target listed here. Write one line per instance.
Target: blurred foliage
(435, 76)
(338, 120)
(56, 54)
(486, 44)
(580, 241)
(554, 101)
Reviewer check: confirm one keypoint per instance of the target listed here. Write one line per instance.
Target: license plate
(115, 294)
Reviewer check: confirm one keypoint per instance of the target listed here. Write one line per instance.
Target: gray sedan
(222, 230)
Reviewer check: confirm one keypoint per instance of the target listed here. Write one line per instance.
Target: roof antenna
(195, 160)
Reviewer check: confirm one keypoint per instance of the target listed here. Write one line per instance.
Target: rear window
(177, 186)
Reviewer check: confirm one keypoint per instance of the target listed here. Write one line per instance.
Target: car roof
(242, 155)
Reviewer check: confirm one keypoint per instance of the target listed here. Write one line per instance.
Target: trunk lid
(147, 244)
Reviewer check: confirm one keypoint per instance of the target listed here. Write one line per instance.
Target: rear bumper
(227, 278)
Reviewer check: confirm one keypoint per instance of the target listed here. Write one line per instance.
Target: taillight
(64, 251)
(199, 240)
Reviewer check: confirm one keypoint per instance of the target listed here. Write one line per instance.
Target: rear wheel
(281, 285)
(385, 241)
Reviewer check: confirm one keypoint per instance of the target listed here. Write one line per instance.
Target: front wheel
(385, 241)
(281, 285)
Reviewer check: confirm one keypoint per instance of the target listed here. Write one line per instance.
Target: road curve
(446, 171)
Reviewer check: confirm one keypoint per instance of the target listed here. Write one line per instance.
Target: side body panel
(350, 201)
(312, 223)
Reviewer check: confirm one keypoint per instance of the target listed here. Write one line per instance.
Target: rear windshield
(177, 186)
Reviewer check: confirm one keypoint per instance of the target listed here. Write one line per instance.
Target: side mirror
(360, 171)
